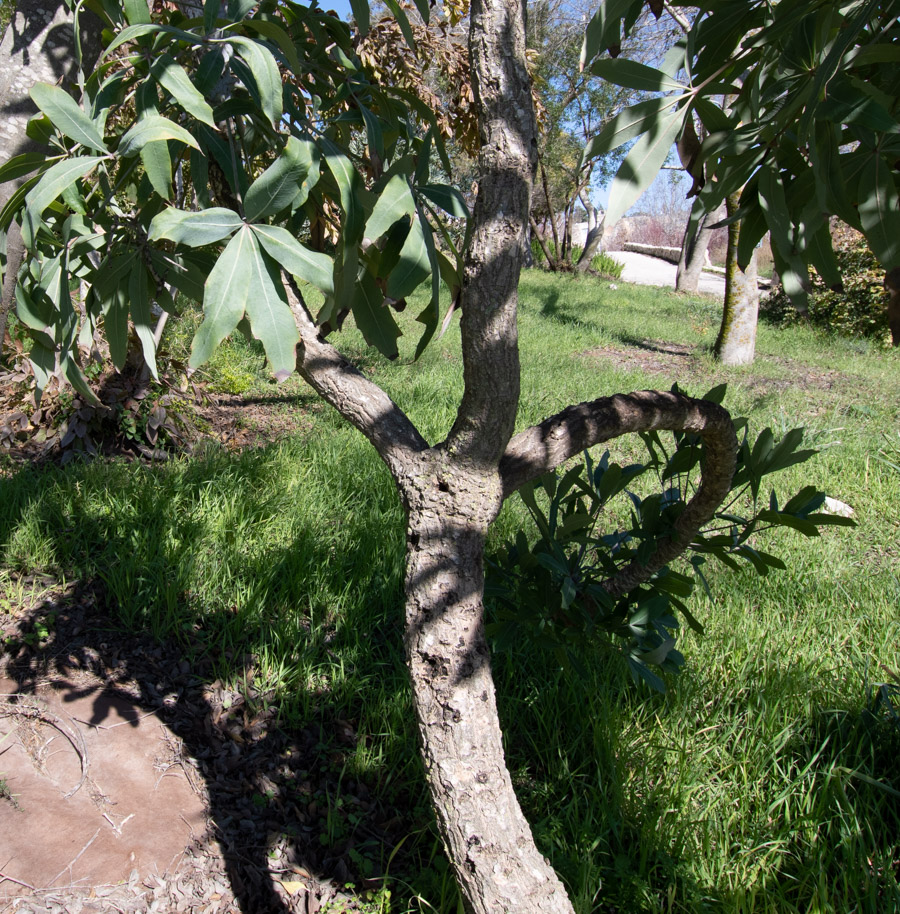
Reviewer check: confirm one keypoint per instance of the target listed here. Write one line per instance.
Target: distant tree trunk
(592, 243)
(38, 46)
(736, 343)
(693, 254)
(892, 284)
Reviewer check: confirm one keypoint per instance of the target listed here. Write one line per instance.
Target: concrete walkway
(651, 271)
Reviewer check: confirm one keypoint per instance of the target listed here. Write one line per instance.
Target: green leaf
(51, 184)
(349, 186)
(403, 21)
(211, 10)
(139, 297)
(373, 318)
(432, 312)
(634, 75)
(137, 12)
(448, 198)
(374, 135)
(265, 73)
(311, 266)
(175, 80)
(360, 10)
(605, 30)
(21, 165)
(76, 378)
(276, 33)
(822, 256)
(158, 165)
(414, 265)
(225, 299)
(626, 125)
(879, 211)
(194, 228)
(115, 324)
(641, 165)
(66, 115)
(394, 202)
(269, 313)
(278, 185)
(149, 129)
(133, 32)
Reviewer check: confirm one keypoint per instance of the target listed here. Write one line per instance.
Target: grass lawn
(766, 778)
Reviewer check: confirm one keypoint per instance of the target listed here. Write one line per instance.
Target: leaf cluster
(556, 588)
(216, 157)
(797, 106)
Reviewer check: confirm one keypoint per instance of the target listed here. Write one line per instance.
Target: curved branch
(360, 401)
(544, 447)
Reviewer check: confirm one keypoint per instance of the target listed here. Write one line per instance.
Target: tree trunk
(486, 836)
(693, 254)
(892, 284)
(591, 245)
(38, 46)
(736, 343)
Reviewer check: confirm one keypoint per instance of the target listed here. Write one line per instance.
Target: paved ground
(651, 271)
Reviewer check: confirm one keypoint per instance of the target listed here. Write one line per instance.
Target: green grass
(766, 779)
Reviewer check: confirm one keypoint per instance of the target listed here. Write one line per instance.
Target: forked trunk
(736, 344)
(484, 831)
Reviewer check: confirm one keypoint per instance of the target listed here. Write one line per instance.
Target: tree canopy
(810, 128)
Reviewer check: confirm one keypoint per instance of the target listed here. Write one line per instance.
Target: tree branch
(360, 401)
(544, 447)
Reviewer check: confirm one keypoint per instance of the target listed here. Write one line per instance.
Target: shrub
(607, 266)
(858, 310)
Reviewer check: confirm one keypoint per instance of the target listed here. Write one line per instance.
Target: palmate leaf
(158, 165)
(643, 162)
(151, 128)
(879, 211)
(268, 311)
(195, 229)
(265, 73)
(626, 125)
(605, 29)
(175, 80)
(66, 115)
(51, 184)
(279, 184)
(139, 297)
(225, 299)
(634, 75)
(373, 318)
(413, 266)
(394, 202)
(311, 266)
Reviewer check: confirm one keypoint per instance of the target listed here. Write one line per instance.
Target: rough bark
(693, 254)
(736, 343)
(892, 284)
(38, 46)
(592, 243)
(453, 491)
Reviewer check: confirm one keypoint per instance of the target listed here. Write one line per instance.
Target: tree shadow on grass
(290, 770)
(628, 833)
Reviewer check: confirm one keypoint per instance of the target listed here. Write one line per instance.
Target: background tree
(811, 129)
